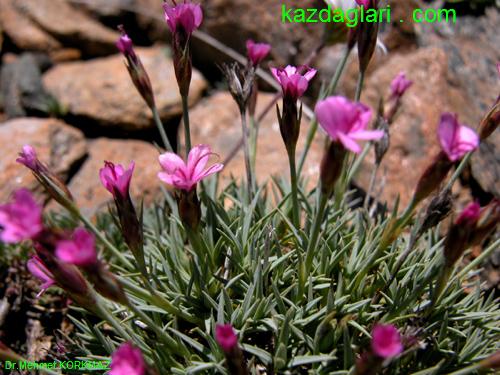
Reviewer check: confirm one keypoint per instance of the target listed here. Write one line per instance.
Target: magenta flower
(470, 214)
(293, 83)
(28, 158)
(185, 176)
(185, 17)
(116, 179)
(38, 269)
(386, 341)
(366, 3)
(79, 250)
(346, 121)
(125, 45)
(399, 85)
(127, 360)
(456, 140)
(257, 52)
(226, 337)
(21, 219)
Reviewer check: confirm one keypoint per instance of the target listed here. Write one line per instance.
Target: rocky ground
(64, 90)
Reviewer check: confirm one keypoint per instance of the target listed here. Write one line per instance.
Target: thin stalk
(293, 181)
(359, 86)
(459, 170)
(185, 118)
(104, 240)
(254, 132)
(315, 231)
(161, 129)
(371, 186)
(248, 167)
(313, 128)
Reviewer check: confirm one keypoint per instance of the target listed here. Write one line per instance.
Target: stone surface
(86, 186)
(216, 121)
(232, 22)
(22, 31)
(414, 132)
(22, 89)
(485, 165)
(101, 90)
(57, 144)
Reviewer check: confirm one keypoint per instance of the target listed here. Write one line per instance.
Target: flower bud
(432, 177)
(459, 234)
(135, 68)
(367, 37)
(189, 208)
(54, 186)
(490, 122)
(240, 82)
(492, 362)
(439, 208)
(105, 282)
(331, 166)
(488, 221)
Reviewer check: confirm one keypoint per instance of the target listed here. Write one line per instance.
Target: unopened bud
(382, 145)
(289, 121)
(432, 177)
(367, 39)
(488, 221)
(490, 122)
(439, 208)
(105, 283)
(189, 208)
(240, 82)
(331, 166)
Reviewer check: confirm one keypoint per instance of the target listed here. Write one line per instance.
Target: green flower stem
(359, 86)
(161, 129)
(459, 170)
(185, 118)
(158, 300)
(254, 132)
(246, 150)
(103, 239)
(441, 283)
(293, 181)
(313, 128)
(315, 232)
(467, 370)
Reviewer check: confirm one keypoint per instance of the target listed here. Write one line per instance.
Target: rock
(57, 144)
(216, 121)
(485, 165)
(22, 89)
(86, 186)
(55, 22)
(22, 31)
(414, 132)
(232, 22)
(108, 8)
(101, 90)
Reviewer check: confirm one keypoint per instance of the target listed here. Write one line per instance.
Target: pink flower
(257, 51)
(366, 3)
(116, 179)
(346, 121)
(21, 219)
(399, 85)
(185, 176)
(470, 214)
(226, 337)
(456, 139)
(386, 341)
(127, 360)
(124, 43)
(293, 83)
(185, 17)
(80, 250)
(28, 158)
(38, 269)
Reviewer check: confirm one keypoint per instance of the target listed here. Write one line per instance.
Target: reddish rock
(414, 132)
(485, 165)
(57, 144)
(68, 24)
(22, 31)
(216, 121)
(101, 89)
(86, 186)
